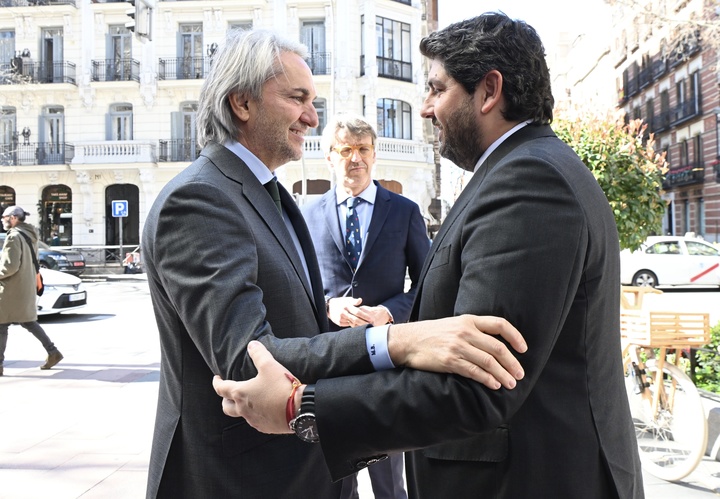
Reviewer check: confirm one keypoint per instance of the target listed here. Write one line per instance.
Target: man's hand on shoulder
(461, 345)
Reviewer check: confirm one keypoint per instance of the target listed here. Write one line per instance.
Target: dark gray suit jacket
(532, 239)
(396, 241)
(222, 271)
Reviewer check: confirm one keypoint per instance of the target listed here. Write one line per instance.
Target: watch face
(305, 428)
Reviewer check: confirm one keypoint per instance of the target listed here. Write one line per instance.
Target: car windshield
(42, 245)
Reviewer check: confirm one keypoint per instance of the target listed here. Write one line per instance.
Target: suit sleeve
(207, 257)
(519, 247)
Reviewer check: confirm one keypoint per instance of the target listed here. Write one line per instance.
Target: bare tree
(688, 23)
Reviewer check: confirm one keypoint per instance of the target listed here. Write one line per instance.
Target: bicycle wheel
(672, 439)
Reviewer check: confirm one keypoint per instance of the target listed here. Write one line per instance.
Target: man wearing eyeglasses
(366, 239)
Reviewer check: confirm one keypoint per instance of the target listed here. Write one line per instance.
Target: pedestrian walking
(18, 284)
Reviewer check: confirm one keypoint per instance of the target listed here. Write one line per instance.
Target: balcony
(645, 77)
(183, 68)
(35, 153)
(34, 3)
(38, 72)
(632, 86)
(178, 150)
(393, 68)
(685, 111)
(116, 70)
(691, 174)
(387, 149)
(661, 122)
(658, 68)
(114, 152)
(319, 63)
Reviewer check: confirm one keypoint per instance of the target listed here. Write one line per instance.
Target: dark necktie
(272, 188)
(353, 244)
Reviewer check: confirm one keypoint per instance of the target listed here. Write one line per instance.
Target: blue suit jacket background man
(394, 242)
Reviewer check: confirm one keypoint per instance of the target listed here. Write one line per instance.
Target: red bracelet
(290, 407)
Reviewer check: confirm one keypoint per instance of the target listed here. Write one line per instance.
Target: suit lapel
(235, 169)
(380, 214)
(456, 214)
(328, 207)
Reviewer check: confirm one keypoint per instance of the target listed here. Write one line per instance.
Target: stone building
(91, 112)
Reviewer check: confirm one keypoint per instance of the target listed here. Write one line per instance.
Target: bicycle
(666, 408)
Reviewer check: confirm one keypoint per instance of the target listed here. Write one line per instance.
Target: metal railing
(116, 70)
(183, 68)
(33, 3)
(36, 153)
(178, 150)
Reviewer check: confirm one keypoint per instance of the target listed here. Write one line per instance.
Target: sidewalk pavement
(84, 428)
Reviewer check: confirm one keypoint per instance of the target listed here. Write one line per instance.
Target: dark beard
(462, 139)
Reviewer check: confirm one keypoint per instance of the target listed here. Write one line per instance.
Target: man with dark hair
(229, 259)
(531, 238)
(18, 285)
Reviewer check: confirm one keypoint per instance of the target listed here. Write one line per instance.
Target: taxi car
(63, 293)
(671, 261)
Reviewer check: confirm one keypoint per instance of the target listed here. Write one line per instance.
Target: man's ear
(490, 91)
(239, 105)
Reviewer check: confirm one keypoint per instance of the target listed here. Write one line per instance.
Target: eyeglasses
(364, 150)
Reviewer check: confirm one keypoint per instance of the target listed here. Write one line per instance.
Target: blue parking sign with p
(119, 208)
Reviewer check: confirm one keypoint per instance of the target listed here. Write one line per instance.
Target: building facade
(91, 112)
(667, 75)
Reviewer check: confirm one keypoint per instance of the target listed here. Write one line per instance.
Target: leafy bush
(625, 165)
(707, 369)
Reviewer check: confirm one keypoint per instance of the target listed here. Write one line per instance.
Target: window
(51, 147)
(243, 25)
(320, 107)
(51, 67)
(394, 119)
(684, 156)
(700, 214)
(120, 122)
(394, 49)
(8, 136)
(183, 144)
(686, 215)
(119, 54)
(190, 52)
(7, 50)
(312, 35)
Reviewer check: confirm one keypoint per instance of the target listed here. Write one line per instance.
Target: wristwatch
(304, 424)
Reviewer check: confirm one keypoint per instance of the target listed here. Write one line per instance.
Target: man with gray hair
(18, 284)
(229, 259)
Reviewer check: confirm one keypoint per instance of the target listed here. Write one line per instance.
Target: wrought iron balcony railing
(178, 150)
(35, 153)
(116, 70)
(694, 173)
(33, 3)
(393, 68)
(183, 68)
(38, 72)
(319, 63)
(685, 111)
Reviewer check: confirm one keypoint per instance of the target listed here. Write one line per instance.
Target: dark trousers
(37, 331)
(386, 478)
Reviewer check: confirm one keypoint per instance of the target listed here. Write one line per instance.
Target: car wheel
(645, 278)
(44, 265)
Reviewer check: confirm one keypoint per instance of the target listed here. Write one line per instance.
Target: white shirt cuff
(376, 340)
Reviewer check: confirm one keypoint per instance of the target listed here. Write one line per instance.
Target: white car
(671, 261)
(63, 293)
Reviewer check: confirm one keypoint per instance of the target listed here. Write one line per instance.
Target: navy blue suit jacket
(396, 241)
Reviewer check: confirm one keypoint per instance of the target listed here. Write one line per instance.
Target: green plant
(707, 368)
(629, 170)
